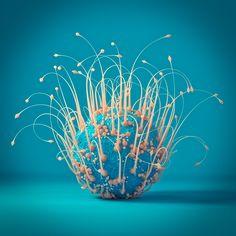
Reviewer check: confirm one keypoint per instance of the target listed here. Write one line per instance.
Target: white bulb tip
(17, 115)
(168, 36)
(197, 164)
(77, 34)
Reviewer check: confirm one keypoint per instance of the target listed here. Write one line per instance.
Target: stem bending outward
(119, 144)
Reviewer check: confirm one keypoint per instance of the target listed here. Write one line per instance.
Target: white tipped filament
(168, 36)
(17, 115)
(121, 98)
(50, 141)
(170, 59)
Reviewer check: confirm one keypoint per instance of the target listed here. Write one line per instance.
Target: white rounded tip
(50, 141)
(56, 55)
(51, 97)
(26, 100)
(59, 158)
(41, 79)
(168, 36)
(77, 72)
(79, 64)
(56, 88)
(169, 58)
(190, 89)
(12, 142)
(59, 68)
(197, 164)
(221, 101)
(112, 44)
(17, 115)
(144, 61)
(102, 51)
(77, 34)
(216, 95)
(55, 67)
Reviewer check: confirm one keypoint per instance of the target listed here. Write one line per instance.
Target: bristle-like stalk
(128, 132)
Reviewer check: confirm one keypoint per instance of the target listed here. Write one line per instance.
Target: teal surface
(64, 209)
(38, 194)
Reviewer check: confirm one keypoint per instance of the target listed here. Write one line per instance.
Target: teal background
(39, 196)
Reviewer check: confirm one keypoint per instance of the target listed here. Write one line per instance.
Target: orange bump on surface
(103, 158)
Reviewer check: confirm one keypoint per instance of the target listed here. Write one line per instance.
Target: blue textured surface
(132, 181)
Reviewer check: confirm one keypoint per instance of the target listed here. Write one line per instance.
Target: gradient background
(39, 196)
